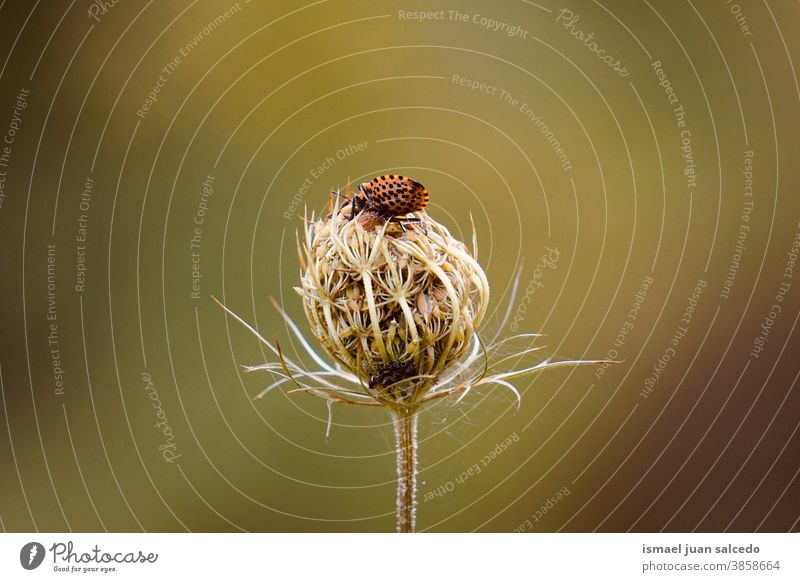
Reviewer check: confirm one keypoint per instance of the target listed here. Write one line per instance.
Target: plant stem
(405, 431)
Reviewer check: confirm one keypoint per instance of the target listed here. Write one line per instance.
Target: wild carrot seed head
(395, 306)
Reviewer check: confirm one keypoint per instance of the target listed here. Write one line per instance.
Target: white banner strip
(390, 557)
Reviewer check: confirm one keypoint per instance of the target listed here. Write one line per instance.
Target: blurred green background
(631, 142)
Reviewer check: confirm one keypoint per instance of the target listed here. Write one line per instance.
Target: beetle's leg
(414, 219)
(365, 194)
(357, 204)
(345, 196)
(362, 201)
(401, 221)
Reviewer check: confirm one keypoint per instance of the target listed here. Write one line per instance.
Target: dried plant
(397, 310)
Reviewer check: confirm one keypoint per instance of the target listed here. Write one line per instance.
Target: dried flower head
(396, 304)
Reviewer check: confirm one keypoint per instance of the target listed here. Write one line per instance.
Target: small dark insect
(390, 198)
(392, 373)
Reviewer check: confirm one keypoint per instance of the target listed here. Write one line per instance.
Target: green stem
(405, 431)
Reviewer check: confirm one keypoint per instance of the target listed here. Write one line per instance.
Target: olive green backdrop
(641, 157)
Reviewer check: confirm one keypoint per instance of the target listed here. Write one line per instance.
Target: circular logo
(31, 555)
